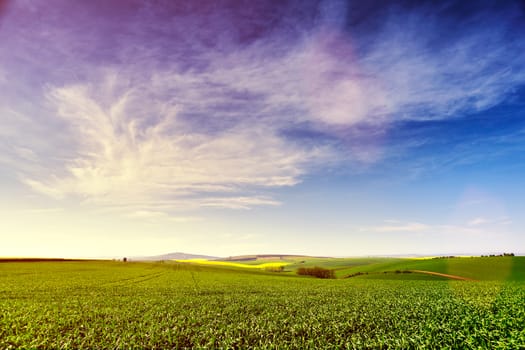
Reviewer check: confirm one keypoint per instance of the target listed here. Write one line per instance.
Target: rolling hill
(174, 256)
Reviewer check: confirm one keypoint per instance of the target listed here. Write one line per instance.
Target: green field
(482, 269)
(105, 304)
(476, 268)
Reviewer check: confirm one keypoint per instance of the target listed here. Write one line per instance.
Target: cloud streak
(120, 156)
(399, 227)
(475, 226)
(185, 121)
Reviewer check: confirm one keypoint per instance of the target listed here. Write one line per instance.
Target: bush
(357, 274)
(316, 271)
(274, 268)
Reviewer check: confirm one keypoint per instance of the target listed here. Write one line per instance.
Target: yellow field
(268, 265)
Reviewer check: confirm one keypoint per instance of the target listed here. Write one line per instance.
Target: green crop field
(477, 268)
(105, 304)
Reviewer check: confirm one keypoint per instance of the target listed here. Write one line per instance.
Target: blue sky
(233, 127)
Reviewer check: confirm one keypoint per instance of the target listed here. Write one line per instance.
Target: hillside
(477, 268)
(173, 256)
(259, 257)
(459, 268)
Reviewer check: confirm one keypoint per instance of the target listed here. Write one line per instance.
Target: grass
(392, 275)
(483, 269)
(337, 263)
(94, 304)
(477, 268)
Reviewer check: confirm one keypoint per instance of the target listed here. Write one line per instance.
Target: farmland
(109, 304)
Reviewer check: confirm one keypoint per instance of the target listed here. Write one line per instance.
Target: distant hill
(264, 257)
(174, 256)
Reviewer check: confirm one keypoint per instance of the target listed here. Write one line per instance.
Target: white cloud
(238, 202)
(478, 221)
(476, 226)
(459, 229)
(184, 219)
(44, 189)
(504, 221)
(423, 79)
(323, 77)
(156, 135)
(125, 155)
(398, 227)
(38, 211)
(146, 214)
(155, 216)
(495, 222)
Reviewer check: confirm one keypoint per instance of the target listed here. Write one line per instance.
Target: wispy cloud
(38, 211)
(155, 216)
(189, 122)
(238, 202)
(477, 221)
(475, 226)
(398, 227)
(121, 156)
(432, 72)
(481, 221)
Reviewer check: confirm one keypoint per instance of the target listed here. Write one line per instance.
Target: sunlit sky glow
(336, 128)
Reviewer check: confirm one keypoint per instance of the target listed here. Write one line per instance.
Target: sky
(330, 128)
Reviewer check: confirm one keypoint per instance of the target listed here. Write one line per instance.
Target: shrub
(316, 271)
(275, 268)
(357, 274)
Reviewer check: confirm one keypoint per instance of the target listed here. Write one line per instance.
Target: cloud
(147, 214)
(166, 120)
(431, 72)
(481, 221)
(121, 155)
(478, 221)
(460, 230)
(38, 211)
(398, 227)
(238, 202)
(44, 189)
(476, 226)
(160, 215)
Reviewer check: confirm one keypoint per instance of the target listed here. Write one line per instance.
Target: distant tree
(275, 268)
(358, 274)
(316, 271)
(125, 259)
